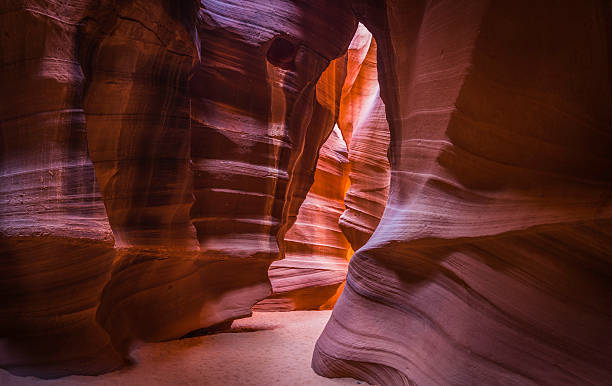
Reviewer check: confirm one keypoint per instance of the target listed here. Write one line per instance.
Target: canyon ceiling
(166, 166)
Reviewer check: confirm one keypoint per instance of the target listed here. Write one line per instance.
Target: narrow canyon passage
(389, 192)
(150, 246)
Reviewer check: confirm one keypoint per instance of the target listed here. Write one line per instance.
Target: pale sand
(270, 348)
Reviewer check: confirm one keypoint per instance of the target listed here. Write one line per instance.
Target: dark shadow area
(224, 328)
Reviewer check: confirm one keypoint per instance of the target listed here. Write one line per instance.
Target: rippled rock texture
(316, 259)
(363, 122)
(492, 263)
(265, 97)
(314, 268)
(56, 244)
(136, 57)
(155, 155)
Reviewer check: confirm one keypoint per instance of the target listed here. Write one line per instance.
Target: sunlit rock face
(145, 197)
(492, 261)
(154, 155)
(316, 258)
(363, 122)
(315, 262)
(265, 97)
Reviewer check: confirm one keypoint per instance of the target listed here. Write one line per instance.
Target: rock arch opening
(349, 191)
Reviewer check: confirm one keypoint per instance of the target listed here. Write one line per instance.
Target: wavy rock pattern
(55, 241)
(199, 184)
(265, 98)
(315, 261)
(304, 279)
(137, 57)
(144, 196)
(116, 78)
(363, 121)
(492, 261)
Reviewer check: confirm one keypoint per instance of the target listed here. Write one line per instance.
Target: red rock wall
(224, 169)
(137, 57)
(56, 246)
(316, 261)
(199, 171)
(262, 107)
(492, 261)
(363, 120)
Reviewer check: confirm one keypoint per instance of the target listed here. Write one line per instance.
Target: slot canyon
(306, 192)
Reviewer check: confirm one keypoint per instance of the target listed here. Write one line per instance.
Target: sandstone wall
(153, 156)
(491, 263)
(363, 122)
(56, 244)
(316, 259)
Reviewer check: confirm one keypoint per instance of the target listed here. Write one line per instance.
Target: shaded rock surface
(265, 98)
(492, 261)
(317, 252)
(56, 244)
(135, 175)
(155, 154)
(136, 57)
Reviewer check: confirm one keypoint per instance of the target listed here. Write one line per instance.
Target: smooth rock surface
(189, 204)
(265, 98)
(136, 58)
(363, 122)
(56, 245)
(154, 155)
(317, 253)
(492, 263)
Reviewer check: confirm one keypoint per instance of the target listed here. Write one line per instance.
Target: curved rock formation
(363, 120)
(144, 196)
(492, 262)
(310, 275)
(198, 191)
(137, 57)
(198, 198)
(55, 241)
(262, 107)
(316, 255)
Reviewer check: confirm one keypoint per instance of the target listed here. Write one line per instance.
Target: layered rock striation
(316, 258)
(265, 98)
(492, 261)
(155, 155)
(363, 122)
(157, 171)
(137, 57)
(56, 245)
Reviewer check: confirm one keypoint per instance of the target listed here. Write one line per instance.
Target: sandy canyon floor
(269, 348)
